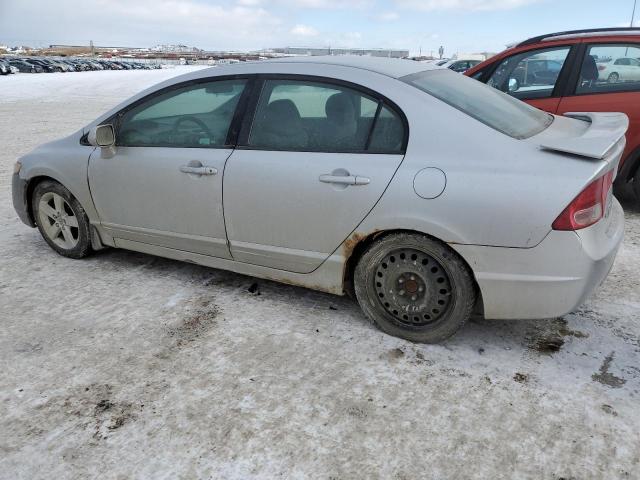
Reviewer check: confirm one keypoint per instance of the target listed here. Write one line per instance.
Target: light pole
(633, 12)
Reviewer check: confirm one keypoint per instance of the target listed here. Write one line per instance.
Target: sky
(460, 26)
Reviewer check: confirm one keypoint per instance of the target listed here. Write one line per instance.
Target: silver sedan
(424, 193)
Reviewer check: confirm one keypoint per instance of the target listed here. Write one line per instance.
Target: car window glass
(388, 132)
(197, 115)
(478, 74)
(610, 68)
(531, 74)
(487, 105)
(314, 116)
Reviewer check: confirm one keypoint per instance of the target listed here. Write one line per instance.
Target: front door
(318, 157)
(162, 183)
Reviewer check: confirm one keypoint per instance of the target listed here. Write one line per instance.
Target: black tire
(613, 78)
(80, 234)
(441, 283)
(636, 186)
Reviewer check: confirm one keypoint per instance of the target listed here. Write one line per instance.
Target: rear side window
(610, 68)
(486, 104)
(298, 115)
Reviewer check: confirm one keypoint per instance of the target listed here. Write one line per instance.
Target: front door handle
(199, 170)
(344, 179)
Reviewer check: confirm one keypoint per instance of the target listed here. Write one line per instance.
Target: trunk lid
(595, 138)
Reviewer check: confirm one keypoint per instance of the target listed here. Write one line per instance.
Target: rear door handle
(344, 179)
(199, 170)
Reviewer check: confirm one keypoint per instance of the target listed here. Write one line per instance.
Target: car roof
(391, 67)
(577, 34)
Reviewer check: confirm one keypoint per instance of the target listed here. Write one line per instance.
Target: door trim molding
(193, 243)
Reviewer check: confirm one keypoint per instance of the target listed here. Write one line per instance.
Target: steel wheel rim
(413, 287)
(58, 220)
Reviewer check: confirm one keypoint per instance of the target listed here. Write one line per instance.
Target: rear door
(593, 90)
(535, 76)
(313, 163)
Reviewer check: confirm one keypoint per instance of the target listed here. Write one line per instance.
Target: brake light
(588, 207)
(602, 67)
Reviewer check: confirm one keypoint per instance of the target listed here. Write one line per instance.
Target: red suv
(596, 70)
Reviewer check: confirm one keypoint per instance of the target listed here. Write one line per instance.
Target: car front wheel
(414, 287)
(61, 220)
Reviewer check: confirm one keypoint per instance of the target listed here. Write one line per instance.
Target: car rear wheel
(613, 78)
(61, 220)
(414, 287)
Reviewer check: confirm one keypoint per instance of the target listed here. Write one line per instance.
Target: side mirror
(102, 136)
(513, 85)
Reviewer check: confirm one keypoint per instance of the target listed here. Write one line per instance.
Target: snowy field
(125, 365)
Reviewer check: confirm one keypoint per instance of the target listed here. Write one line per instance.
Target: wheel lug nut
(401, 292)
(420, 289)
(401, 280)
(414, 298)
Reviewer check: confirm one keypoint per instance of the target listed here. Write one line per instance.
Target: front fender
(65, 161)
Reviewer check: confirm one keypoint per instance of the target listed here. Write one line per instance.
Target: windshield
(486, 104)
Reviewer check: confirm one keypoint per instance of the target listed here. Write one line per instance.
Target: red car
(596, 70)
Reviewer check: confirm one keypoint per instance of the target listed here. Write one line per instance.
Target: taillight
(601, 67)
(588, 207)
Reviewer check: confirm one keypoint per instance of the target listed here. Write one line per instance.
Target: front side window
(314, 116)
(197, 115)
(610, 68)
(487, 105)
(531, 74)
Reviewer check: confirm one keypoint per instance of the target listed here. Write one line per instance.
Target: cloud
(141, 23)
(304, 31)
(463, 4)
(328, 4)
(388, 16)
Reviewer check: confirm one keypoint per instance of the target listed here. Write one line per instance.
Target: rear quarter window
(481, 102)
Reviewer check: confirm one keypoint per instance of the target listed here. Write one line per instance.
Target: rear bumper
(551, 279)
(20, 203)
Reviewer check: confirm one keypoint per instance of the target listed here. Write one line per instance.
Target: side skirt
(327, 278)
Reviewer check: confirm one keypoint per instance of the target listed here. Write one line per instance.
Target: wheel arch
(36, 180)
(358, 243)
(32, 183)
(631, 166)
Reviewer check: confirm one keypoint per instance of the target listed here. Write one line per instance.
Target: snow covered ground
(125, 365)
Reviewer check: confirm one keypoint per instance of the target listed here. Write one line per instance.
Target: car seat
(280, 127)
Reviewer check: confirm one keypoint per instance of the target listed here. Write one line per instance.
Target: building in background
(314, 51)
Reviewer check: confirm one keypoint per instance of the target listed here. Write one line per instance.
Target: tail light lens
(588, 207)
(601, 67)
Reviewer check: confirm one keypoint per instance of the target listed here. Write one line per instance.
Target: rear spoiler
(605, 131)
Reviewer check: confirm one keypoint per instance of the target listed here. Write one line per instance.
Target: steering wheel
(197, 121)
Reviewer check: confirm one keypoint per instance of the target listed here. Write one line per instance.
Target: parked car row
(459, 65)
(57, 64)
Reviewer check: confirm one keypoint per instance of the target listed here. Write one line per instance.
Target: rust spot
(350, 243)
(348, 248)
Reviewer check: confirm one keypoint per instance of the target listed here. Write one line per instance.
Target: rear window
(486, 104)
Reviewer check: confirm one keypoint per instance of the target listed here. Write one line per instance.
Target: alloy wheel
(58, 220)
